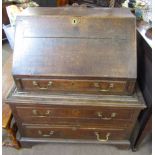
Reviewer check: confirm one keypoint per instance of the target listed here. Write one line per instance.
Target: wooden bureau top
(75, 42)
(78, 11)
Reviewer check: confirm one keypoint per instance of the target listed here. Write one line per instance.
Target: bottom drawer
(74, 132)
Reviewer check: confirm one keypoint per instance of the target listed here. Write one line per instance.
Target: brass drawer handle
(111, 85)
(48, 112)
(35, 83)
(102, 140)
(97, 85)
(36, 113)
(45, 135)
(104, 90)
(100, 115)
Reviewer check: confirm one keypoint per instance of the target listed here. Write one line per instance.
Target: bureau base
(29, 142)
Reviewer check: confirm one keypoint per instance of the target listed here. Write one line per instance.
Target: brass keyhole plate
(75, 21)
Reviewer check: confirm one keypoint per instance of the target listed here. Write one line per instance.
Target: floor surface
(76, 149)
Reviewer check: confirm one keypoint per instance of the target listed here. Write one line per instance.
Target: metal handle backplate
(38, 114)
(101, 115)
(45, 135)
(98, 85)
(35, 83)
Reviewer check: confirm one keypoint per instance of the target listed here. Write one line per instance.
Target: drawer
(76, 86)
(75, 115)
(74, 132)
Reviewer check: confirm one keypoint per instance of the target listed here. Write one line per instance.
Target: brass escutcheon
(75, 21)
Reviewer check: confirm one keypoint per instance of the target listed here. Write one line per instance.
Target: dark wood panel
(74, 132)
(79, 11)
(99, 44)
(75, 58)
(78, 27)
(75, 86)
(78, 100)
(28, 142)
(75, 115)
(122, 110)
(75, 112)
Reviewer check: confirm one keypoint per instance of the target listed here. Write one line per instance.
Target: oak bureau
(75, 73)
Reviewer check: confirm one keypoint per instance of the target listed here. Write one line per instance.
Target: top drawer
(76, 86)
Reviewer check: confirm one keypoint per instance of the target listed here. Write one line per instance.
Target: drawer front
(74, 132)
(75, 115)
(77, 86)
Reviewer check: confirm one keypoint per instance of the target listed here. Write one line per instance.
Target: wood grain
(67, 132)
(75, 86)
(101, 45)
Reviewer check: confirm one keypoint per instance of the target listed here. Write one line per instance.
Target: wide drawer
(74, 132)
(75, 115)
(76, 86)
